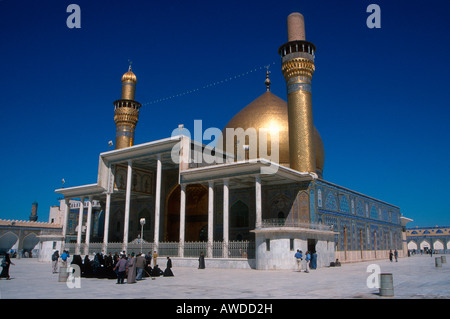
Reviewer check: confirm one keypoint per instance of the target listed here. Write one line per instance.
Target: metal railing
(236, 249)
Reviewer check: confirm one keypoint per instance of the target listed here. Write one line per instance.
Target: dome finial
(267, 81)
(129, 76)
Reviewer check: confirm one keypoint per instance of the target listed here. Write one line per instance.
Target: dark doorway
(312, 245)
(196, 212)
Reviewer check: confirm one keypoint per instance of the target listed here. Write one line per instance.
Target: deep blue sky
(380, 96)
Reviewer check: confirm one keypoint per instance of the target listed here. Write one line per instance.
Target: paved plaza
(414, 277)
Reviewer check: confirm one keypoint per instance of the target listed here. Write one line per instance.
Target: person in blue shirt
(313, 264)
(299, 257)
(307, 259)
(64, 256)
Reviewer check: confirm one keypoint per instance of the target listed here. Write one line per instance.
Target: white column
(182, 220)
(80, 226)
(258, 201)
(157, 202)
(210, 219)
(20, 244)
(127, 207)
(225, 217)
(88, 226)
(106, 227)
(65, 222)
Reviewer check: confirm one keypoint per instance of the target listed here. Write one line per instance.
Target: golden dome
(269, 111)
(129, 76)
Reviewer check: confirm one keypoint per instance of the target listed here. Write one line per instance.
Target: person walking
(140, 266)
(55, 258)
(168, 272)
(390, 255)
(6, 262)
(131, 279)
(121, 268)
(298, 258)
(396, 255)
(307, 260)
(64, 257)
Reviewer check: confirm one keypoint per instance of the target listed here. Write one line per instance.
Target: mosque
(242, 209)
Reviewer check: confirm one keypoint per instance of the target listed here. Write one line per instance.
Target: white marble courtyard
(414, 277)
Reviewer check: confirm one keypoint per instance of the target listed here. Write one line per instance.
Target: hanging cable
(209, 85)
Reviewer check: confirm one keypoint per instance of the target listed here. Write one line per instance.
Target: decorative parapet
(428, 231)
(50, 234)
(284, 223)
(26, 223)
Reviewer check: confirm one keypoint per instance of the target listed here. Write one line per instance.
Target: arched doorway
(29, 243)
(8, 241)
(412, 245)
(196, 213)
(438, 245)
(425, 245)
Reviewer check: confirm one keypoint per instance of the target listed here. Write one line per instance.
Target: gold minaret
(297, 65)
(126, 111)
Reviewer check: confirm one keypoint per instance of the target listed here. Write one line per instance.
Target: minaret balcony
(295, 49)
(127, 103)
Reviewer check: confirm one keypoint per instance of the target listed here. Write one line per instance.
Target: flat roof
(83, 190)
(242, 174)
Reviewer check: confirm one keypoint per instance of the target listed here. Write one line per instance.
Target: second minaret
(297, 65)
(126, 112)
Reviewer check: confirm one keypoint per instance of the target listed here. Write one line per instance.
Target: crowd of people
(426, 250)
(118, 266)
(393, 255)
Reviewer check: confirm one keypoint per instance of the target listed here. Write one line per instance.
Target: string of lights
(209, 85)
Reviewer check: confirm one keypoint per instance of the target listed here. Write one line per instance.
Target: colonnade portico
(93, 192)
(153, 158)
(106, 196)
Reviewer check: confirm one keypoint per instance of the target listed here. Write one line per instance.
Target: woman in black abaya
(201, 261)
(168, 272)
(5, 264)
